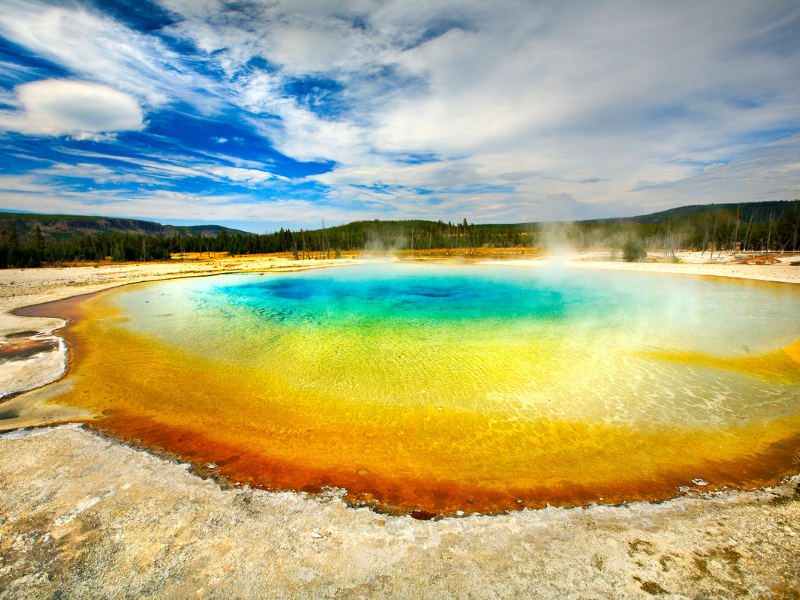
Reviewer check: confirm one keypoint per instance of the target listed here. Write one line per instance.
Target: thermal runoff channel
(455, 388)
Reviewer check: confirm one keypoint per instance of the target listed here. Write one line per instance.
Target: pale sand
(81, 516)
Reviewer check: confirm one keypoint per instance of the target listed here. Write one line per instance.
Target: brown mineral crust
(22, 348)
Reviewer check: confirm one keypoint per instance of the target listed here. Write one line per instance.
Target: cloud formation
(508, 111)
(56, 107)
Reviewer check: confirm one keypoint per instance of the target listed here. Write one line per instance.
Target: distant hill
(761, 212)
(65, 227)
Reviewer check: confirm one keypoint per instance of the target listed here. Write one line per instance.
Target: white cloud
(57, 107)
(243, 175)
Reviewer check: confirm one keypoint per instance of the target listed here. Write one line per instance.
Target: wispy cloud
(171, 166)
(766, 173)
(97, 48)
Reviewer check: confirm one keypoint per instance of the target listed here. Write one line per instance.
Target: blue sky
(261, 114)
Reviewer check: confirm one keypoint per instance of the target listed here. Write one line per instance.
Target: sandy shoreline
(85, 517)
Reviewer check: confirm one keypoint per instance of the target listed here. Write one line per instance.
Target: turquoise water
(706, 315)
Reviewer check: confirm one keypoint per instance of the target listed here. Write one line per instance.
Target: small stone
(316, 535)
(422, 515)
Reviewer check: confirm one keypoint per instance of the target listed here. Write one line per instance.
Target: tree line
(712, 231)
(328, 242)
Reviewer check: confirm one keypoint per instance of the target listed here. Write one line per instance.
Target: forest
(727, 228)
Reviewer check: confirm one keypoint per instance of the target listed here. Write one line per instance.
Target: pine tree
(13, 236)
(39, 239)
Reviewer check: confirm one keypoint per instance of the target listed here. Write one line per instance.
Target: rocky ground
(86, 517)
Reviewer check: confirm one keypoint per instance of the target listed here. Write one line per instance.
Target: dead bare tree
(713, 237)
(769, 237)
(749, 225)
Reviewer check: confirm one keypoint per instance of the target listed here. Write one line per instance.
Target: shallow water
(453, 388)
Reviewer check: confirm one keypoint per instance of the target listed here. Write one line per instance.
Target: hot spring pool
(455, 388)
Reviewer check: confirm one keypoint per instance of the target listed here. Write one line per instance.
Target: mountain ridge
(65, 227)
